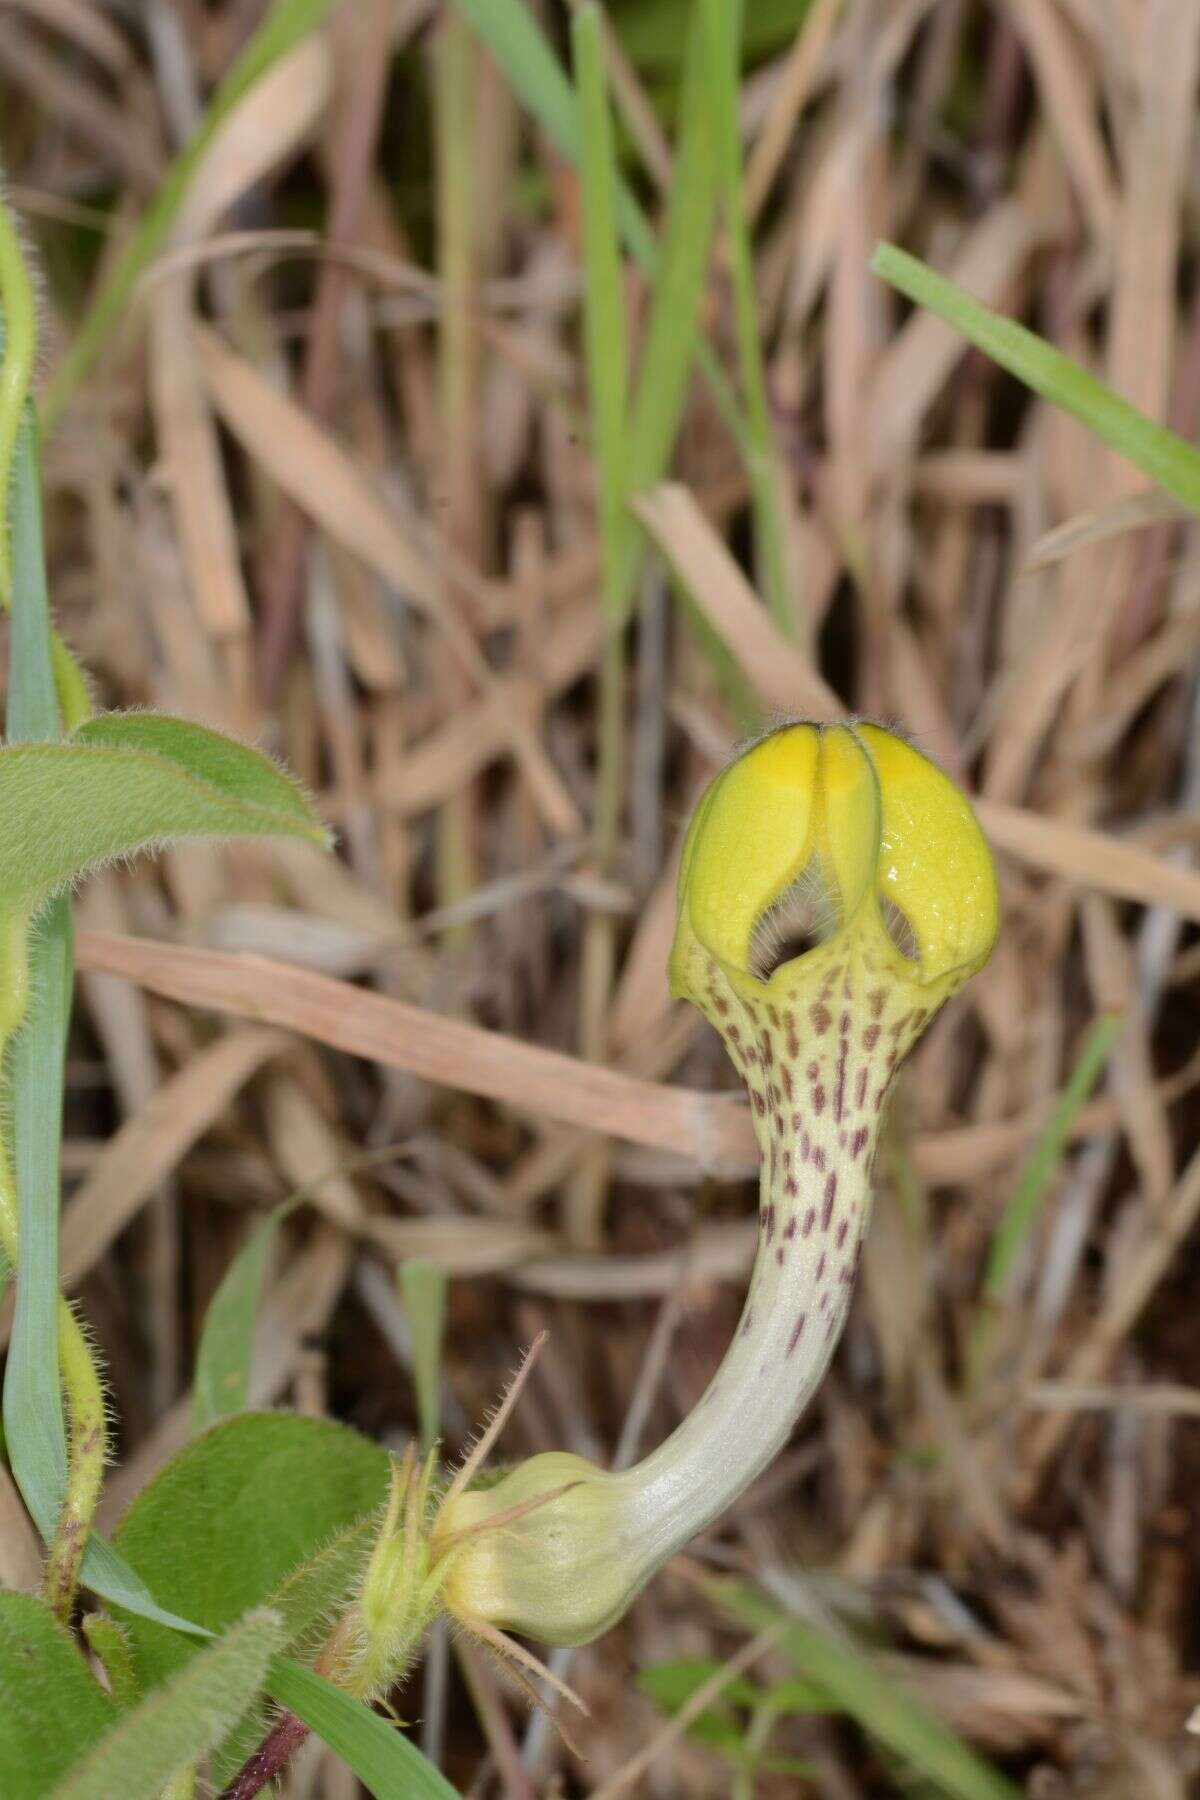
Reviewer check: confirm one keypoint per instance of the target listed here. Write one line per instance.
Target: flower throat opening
(806, 914)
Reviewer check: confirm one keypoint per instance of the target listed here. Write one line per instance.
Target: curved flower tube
(557, 1549)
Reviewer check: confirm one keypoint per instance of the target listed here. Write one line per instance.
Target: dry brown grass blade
(323, 479)
(120, 138)
(192, 470)
(1141, 337)
(1131, 513)
(1091, 858)
(84, 26)
(1070, 110)
(20, 1547)
(690, 543)
(693, 1706)
(714, 1130)
(363, 39)
(787, 102)
(787, 682)
(316, 472)
(260, 133)
(476, 735)
(273, 119)
(1132, 1289)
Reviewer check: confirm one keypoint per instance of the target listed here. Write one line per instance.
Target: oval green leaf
(129, 782)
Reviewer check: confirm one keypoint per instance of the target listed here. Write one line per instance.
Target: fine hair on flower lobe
(803, 916)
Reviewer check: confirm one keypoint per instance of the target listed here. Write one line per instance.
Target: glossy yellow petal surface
(848, 817)
(934, 862)
(751, 837)
(881, 822)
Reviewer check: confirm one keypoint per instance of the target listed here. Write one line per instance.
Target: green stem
(87, 1453)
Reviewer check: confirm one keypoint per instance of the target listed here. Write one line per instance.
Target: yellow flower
(858, 813)
(898, 893)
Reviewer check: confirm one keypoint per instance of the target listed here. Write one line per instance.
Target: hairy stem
(269, 1760)
(87, 1453)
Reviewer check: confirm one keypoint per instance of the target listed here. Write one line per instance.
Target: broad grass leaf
(381, 1757)
(855, 1684)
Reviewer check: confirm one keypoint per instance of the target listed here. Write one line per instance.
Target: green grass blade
(389, 1765)
(1167, 459)
(519, 46)
(605, 348)
(423, 1296)
(222, 1380)
(856, 1686)
(176, 1723)
(672, 335)
(516, 42)
(106, 1573)
(1019, 1215)
(722, 20)
(673, 340)
(35, 1434)
(34, 1431)
(283, 28)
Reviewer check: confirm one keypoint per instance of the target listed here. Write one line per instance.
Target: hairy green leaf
(50, 1707)
(232, 767)
(230, 1523)
(124, 783)
(176, 1724)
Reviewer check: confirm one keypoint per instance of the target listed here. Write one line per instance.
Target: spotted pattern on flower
(856, 816)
